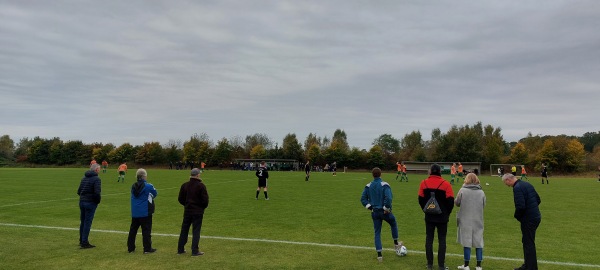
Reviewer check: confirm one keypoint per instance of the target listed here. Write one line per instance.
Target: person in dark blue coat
(142, 208)
(527, 212)
(89, 197)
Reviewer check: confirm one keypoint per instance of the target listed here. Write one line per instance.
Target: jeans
(430, 231)
(146, 224)
(478, 254)
(528, 230)
(378, 218)
(196, 222)
(87, 211)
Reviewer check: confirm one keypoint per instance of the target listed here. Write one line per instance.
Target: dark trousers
(442, 229)
(529, 253)
(196, 222)
(86, 216)
(146, 224)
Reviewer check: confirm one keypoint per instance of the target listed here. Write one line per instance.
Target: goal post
(500, 169)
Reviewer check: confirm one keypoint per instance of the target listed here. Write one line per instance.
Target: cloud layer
(140, 71)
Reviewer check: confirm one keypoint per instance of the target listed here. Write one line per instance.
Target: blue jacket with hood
(142, 199)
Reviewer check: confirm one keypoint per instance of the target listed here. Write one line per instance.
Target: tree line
(479, 143)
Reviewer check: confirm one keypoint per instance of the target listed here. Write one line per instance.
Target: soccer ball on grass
(402, 251)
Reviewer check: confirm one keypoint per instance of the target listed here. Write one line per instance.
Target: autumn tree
(519, 155)
(291, 148)
(258, 152)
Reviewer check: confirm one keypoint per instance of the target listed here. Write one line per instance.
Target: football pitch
(319, 224)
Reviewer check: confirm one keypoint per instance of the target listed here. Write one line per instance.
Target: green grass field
(305, 225)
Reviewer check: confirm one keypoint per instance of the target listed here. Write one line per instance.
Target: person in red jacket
(442, 190)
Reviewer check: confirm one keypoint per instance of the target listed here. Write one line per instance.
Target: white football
(487, 184)
(402, 251)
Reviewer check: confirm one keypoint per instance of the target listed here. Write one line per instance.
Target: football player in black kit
(544, 173)
(262, 173)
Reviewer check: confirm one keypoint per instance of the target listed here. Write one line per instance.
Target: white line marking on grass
(295, 243)
(73, 198)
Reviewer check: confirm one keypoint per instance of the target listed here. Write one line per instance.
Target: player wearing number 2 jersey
(263, 174)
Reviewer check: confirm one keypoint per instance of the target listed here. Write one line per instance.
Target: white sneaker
(380, 259)
(463, 267)
(478, 268)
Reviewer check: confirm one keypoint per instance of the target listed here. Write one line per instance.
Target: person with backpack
(142, 208)
(436, 198)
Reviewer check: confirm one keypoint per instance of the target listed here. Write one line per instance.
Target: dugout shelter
(423, 167)
(272, 164)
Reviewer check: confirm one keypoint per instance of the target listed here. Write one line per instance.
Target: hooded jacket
(471, 200)
(142, 199)
(90, 188)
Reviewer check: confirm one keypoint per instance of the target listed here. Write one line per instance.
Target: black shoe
(131, 251)
(181, 252)
(152, 250)
(199, 253)
(87, 245)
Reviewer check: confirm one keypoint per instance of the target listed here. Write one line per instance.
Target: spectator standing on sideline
(122, 170)
(527, 212)
(194, 198)
(307, 170)
(142, 208)
(445, 196)
(471, 200)
(89, 197)
(377, 197)
(544, 173)
(263, 174)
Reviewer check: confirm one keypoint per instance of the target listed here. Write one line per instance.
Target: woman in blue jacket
(142, 208)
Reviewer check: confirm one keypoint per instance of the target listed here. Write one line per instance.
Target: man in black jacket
(194, 197)
(528, 213)
(89, 198)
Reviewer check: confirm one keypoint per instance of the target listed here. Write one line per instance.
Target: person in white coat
(471, 200)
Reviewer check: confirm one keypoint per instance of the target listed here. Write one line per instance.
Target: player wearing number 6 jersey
(263, 174)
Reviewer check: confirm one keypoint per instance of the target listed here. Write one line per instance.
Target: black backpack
(432, 206)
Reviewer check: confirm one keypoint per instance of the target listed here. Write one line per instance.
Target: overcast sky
(144, 71)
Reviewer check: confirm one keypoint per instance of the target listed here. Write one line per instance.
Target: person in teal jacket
(377, 197)
(142, 208)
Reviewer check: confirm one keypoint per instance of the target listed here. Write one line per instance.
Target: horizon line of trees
(485, 144)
